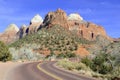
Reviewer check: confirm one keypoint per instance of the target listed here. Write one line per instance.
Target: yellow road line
(52, 75)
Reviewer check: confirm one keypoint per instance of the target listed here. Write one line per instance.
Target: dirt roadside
(7, 67)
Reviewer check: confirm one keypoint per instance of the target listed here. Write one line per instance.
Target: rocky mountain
(58, 17)
(10, 34)
(23, 31)
(35, 23)
(73, 22)
(74, 17)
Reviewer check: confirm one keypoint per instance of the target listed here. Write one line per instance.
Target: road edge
(52, 75)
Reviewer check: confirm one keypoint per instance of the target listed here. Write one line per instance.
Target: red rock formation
(58, 17)
(87, 30)
(35, 24)
(9, 35)
(74, 22)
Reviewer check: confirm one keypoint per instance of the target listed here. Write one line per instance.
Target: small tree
(4, 53)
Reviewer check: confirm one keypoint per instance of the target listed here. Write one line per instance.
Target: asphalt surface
(29, 71)
(49, 67)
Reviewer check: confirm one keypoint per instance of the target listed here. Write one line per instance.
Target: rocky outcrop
(75, 17)
(12, 27)
(87, 30)
(23, 31)
(10, 34)
(58, 17)
(74, 22)
(116, 39)
(35, 24)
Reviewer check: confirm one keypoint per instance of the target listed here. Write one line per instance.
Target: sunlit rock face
(87, 30)
(10, 34)
(35, 23)
(12, 27)
(36, 19)
(75, 17)
(74, 22)
(58, 17)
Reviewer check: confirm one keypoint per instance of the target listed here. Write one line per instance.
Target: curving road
(65, 75)
(29, 71)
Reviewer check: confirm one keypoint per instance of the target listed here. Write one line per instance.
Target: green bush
(26, 53)
(87, 61)
(101, 63)
(72, 65)
(66, 55)
(4, 53)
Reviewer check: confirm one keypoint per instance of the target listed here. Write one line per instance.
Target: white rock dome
(37, 18)
(12, 27)
(75, 16)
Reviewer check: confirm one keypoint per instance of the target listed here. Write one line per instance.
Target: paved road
(29, 71)
(49, 66)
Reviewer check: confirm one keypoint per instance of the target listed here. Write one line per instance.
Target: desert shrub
(55, 38)
(72, 65)
(100, 64)
(4, 53)
(87, 61)
(25, 53)
(66, 55)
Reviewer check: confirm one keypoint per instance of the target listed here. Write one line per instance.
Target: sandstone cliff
(23, 31)
(35, 22)
(58, 17)
(74, 22)
(10, 34)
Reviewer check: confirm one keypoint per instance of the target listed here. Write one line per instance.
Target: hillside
(56, 40)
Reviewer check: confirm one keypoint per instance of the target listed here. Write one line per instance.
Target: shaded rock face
(23, 31)
(10, 34)
(58, 17)
(35, 24)
(116, 39)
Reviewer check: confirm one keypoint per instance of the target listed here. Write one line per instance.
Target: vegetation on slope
(4, 53)
(56, 39)
(105, 64)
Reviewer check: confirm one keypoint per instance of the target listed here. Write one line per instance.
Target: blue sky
(102, 12)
